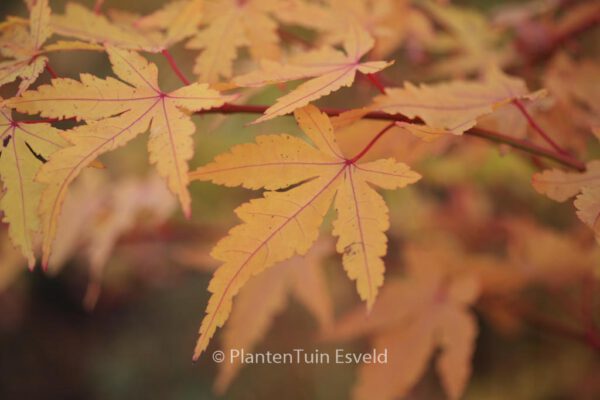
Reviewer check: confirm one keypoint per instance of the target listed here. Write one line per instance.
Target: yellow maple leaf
(284, 223)
(469, 42)
(84, 24)
(179, 20)
(454, 106)
(23, 150)
(427, 310)
(174, 22)
(230, 25)
(24, 45)
(117, 111)
(330, 70)
(390, 22)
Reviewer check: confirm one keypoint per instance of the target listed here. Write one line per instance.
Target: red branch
(98, 7)
(174, 67)
(519, 104)
(520, 144)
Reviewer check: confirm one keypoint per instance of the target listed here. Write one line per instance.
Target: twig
(174, 67)
(376, 82)
(564, 159)
(52, 73)
(519, 104)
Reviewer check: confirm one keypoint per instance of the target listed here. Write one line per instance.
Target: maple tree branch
(532, 148)
(174, 67)
(524, 145)
(51, 71)
(519, 104)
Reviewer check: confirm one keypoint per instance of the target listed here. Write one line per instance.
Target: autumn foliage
(421, 148)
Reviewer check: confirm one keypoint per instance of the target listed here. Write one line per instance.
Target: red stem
(376, 82)
(174, 67)
(371, 143)
(519, 104)
(561, 156)
(520, 144)
(98, 7)
(52, 73)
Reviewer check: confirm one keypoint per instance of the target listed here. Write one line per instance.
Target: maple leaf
(117, 111)
(23, 43)
(84, 24)
(560, 186)
(390, 22)
(470, 40)
(285, 223)
(454, 106)
(330, 70)
(179, 20)
(427, 310)
(23, 150)
(230, 25)
(302, 277)
(174, 22)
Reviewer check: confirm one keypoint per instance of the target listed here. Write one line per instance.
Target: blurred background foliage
(137, 340)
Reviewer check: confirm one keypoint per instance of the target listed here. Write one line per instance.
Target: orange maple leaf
(282, 224)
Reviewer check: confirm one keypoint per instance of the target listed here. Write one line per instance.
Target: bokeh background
(134, 338)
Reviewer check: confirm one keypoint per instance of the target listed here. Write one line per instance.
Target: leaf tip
(31, 264)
